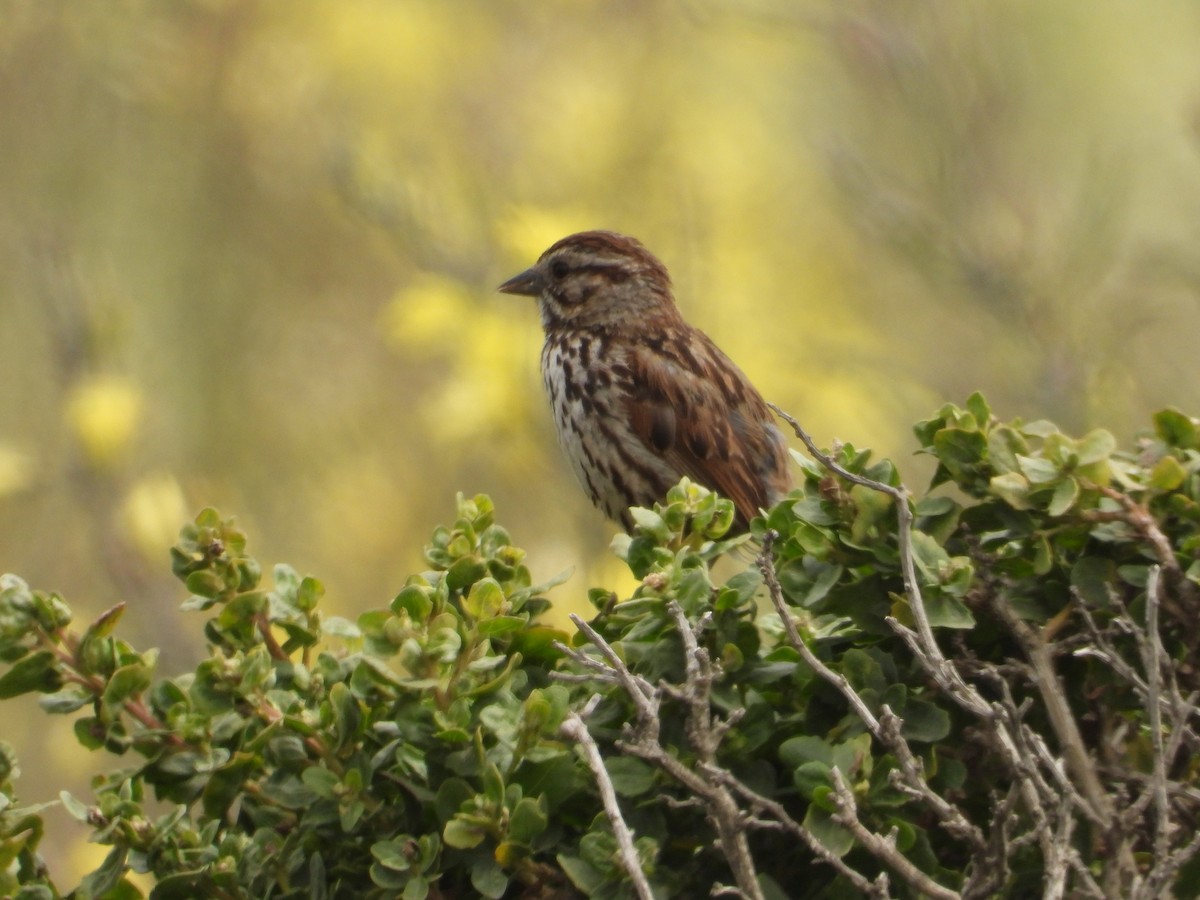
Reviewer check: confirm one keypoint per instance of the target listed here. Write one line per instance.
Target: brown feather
(716, 430)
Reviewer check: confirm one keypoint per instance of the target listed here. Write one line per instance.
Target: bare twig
(1169, 721)
(1159, 787)
(885, 728)
(766, 564)
(1103, 649)
(923, 643)
(642, 738)
(705, 736)
(1152, 663)
(1142, 521)
(639, 690)
(1165, 870)
(1179, 709)
(1057, 863)
(782, 820)
(882, 848)
(575, 729)
(263, 623)
(988, 874)
(1098, 804)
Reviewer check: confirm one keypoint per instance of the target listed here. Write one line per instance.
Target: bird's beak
(528, 283)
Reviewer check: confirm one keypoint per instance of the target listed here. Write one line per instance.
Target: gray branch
(574, 729)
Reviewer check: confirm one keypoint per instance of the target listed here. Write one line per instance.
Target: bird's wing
(691, 405)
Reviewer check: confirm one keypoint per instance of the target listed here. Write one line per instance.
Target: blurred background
(249, 249)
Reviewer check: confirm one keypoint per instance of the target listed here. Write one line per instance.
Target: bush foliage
(1013, 718)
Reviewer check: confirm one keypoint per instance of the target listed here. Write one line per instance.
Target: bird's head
(596, 279)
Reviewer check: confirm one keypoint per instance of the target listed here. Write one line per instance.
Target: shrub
(986, 690)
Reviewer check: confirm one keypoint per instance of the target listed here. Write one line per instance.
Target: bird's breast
(588, 386)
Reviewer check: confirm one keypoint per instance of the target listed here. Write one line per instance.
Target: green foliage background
(248, 250)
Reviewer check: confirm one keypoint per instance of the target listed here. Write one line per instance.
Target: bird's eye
(558, 268)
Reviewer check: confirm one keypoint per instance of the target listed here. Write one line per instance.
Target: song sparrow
(641, 398)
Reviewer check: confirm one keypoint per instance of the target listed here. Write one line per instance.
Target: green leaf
(464, 572)
(630, 777)
(67, 700)
(416, 889)
(1176, 429)
(1167, 474)
(1066, 492)
(337, 626)
(414, 599)
(488, 879)
(1136, 574)
(978, 407)
(101, 881)
(862, 669)
(930, 556)
(393, 853)
(1094, 578)
(796, 751)
(1042, 428)
(527, 820)
(960, 451)
(462, 835)
(871, 507)
(853, 756)
(242, 608)
(923, 721)
(320, 781)
(289, 792)
(1038, 470)
(500, 625)
(317, 878)
(1043, 554)
(205, 583)
(78, 810)
(485, 600)
(125, 682)
(493, 780)
(586, 877)
(1012, 488)
(1095, 446)
(89, 732)
(934, 505)
(35, 672)
(836, 839)
(451, 795)
(599, 847)
(388, 879)
(309, 594)
(649, 521)
(350, 814)
(347, 714)
(105, 623)
(1004, 446)
(944, 611)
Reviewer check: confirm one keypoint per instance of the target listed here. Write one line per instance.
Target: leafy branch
(988, 689)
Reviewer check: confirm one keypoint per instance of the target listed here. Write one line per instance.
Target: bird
(639, 397)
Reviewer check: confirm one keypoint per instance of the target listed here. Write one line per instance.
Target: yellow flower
(104, 411)
(152, 513)
(424, 314)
